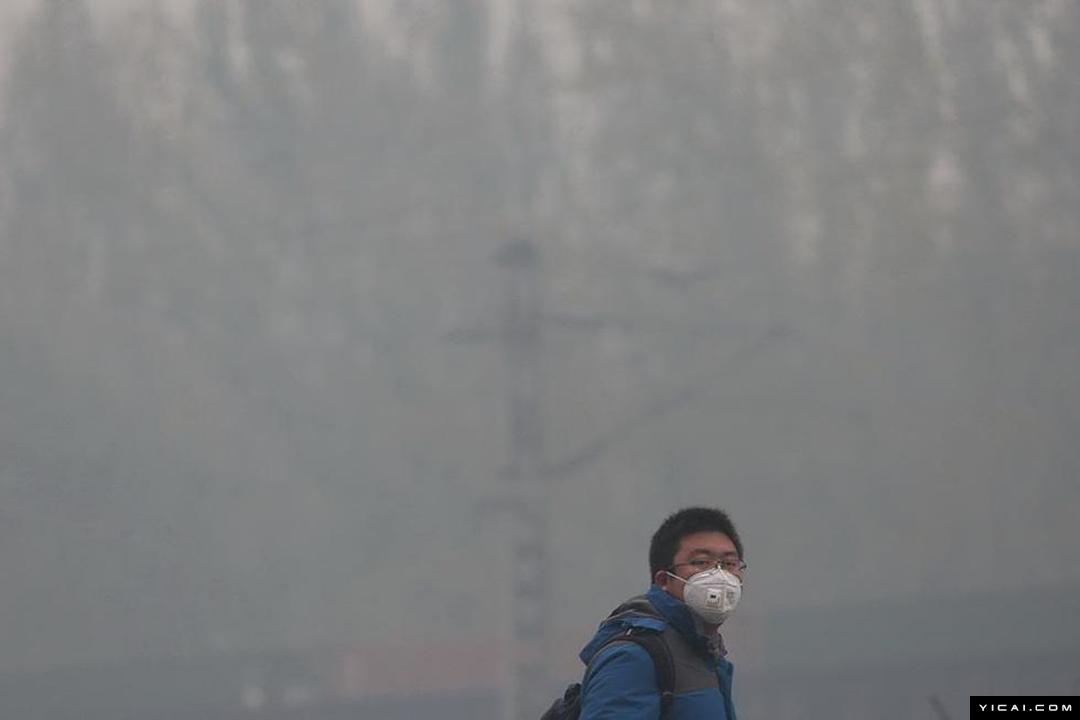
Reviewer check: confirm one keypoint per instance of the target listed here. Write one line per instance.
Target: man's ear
(661, 579)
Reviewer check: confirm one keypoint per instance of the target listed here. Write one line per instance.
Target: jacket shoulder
(636, 614)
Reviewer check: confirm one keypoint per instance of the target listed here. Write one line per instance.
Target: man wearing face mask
(696, 567)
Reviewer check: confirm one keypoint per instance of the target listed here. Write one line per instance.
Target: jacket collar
(654, 611)
(682, 618)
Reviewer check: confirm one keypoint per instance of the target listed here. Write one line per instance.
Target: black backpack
(568, 707)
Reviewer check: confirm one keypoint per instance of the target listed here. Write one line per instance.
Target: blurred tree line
(232, 252)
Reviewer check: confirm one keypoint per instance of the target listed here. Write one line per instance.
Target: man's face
(698, 552)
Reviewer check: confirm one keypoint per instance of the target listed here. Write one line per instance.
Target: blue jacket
(620, 680)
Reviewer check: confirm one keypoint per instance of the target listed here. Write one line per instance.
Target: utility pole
(521, 338)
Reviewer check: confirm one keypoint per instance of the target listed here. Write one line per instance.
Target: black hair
(665, 541)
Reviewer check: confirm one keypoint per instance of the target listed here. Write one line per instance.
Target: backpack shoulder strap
(663, 664)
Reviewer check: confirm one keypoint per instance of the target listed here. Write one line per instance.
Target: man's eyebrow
(707, 551)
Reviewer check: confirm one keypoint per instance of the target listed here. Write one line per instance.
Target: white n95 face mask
(712, 594)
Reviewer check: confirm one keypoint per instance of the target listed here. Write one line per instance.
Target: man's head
(691, 541)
